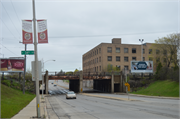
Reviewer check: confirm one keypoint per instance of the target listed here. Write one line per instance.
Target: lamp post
(43, 77)
(141, 40)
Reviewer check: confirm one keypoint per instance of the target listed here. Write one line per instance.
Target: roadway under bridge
(103, 83)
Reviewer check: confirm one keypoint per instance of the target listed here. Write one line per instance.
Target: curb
(159, 97)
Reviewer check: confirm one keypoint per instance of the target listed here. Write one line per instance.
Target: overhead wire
(10, 18)
(15, 11)
(9, 50)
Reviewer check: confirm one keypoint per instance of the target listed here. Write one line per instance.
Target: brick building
(115, 54)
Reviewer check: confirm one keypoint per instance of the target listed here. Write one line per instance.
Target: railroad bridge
(103, 82)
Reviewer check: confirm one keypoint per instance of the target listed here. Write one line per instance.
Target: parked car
(52, 83)
(70, 94)
(55, 85)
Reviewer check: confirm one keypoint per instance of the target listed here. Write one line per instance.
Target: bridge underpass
(103, 83)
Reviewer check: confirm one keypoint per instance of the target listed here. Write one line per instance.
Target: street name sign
(30, 52)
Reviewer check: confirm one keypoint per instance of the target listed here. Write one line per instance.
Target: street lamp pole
(141, 40)
(43, 77)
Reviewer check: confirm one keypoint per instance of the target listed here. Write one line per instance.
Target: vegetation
(160, 88)
(13, 100)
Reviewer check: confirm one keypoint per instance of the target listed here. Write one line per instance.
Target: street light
(141, 40)
(43, 77)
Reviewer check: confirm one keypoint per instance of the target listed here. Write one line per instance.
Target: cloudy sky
(75, 27)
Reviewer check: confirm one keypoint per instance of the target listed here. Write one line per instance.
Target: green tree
(75, 71)
(168, 47)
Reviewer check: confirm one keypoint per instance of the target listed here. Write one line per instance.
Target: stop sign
(141, 65)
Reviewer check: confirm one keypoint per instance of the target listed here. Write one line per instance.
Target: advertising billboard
(141, 66)
(12, 65)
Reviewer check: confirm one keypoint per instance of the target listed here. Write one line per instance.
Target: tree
(168, 47)
(76, 71)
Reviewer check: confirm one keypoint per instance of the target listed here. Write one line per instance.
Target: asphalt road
(87, 107)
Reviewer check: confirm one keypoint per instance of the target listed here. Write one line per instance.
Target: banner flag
(42, 31)
(27, 32)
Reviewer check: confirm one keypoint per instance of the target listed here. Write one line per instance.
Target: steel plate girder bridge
(103, 82)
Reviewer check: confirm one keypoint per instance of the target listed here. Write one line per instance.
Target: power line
(107, 35)
(10, 18)
(15, 11)
(8, 28)
(9, 50)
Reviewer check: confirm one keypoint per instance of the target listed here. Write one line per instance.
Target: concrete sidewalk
(29, 112)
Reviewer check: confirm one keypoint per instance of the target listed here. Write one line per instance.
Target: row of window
(118, 58)
(94, 61)
(98, 68)
(126, 50)
(93, 53)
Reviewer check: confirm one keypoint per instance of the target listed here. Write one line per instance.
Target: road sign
(30, 52)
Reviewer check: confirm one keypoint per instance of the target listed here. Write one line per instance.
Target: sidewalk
(29, 112)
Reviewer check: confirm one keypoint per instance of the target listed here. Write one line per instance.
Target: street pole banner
(42, 31)
(141, 66)
(12, 65)
(27, 32)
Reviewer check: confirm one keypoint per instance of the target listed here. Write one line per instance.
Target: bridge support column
(112, 83)
(46, 82)
(81, 82)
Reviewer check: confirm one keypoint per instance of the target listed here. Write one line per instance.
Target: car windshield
(70, 92)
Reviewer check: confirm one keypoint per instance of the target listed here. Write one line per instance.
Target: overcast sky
(75, 27)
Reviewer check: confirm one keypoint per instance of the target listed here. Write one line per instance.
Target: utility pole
(36, 63)
(24, 68)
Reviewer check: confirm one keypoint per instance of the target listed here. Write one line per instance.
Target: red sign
(12, 65)
(27, 31)
(42, 31)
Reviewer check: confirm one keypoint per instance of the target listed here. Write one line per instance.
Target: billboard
(141, 66)
(42, 31)
(12, 65)
(27, 31)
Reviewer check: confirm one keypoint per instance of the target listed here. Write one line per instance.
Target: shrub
(6, 82)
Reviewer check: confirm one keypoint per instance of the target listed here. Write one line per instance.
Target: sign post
(35, 64)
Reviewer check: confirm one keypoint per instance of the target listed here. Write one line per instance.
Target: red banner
(42, 31)
(12, 65)
(27, 31)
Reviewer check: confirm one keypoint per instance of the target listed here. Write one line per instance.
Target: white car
(70, 94)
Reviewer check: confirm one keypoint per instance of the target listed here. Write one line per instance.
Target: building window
(157, 59)
(126, 59)
(109, 58)
(126, 67)
(164, 60)
(109, 49)
(117, 58)
(99, 68)
(125, 50)
(150, 51)
(118, 67)
(134, 58)
(157, 51)
(95, 52)
(99, 59)
(150, 59)
(99, 50)
(95, 60)
(164, 52)
(143, 58)
(143, 51)
(95, 69)
(133, 50)
(117, 50)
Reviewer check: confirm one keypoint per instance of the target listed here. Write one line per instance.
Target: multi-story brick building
(116, 54)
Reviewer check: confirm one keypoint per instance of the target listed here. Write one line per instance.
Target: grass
(161, 88)
(13, 100)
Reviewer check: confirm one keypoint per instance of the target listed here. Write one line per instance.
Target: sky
(75, 27)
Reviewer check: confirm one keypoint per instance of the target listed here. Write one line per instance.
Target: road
(88, 107)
